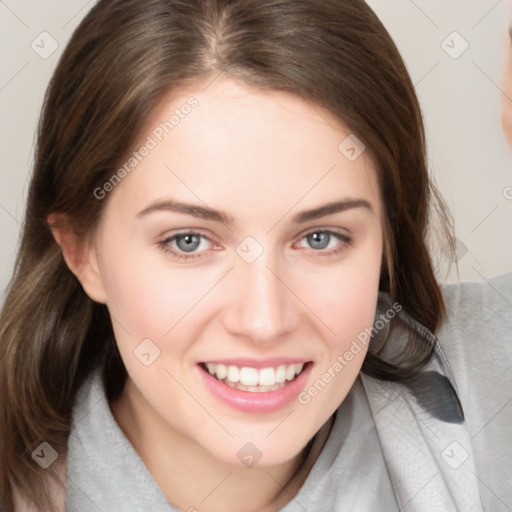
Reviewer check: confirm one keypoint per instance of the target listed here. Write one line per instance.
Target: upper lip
(258, 363)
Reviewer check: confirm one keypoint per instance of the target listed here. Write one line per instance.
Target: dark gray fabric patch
(435, 394)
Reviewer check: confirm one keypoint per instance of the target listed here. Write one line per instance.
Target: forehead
(224, 140)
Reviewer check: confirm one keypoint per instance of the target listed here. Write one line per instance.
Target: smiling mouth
(253, 379)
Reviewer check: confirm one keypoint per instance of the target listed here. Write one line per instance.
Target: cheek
(147, 300)
(348, 309)
(345, 296)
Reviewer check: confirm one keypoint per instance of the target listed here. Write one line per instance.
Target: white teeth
(267, 377)
(281, 374)
(233, 373)
(252, 379)
(249, 376)
(222, 371)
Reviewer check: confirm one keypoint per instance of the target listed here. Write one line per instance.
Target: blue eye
(190, 243)
(183, 246)
(320, 239)
(187, 242)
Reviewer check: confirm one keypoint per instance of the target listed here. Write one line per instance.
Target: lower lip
(248, 401)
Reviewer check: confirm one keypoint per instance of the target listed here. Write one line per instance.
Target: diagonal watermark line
(301, 300)
(216, 487)
(485, 15)
(398, 396)
(10, 214)
(407, 502)
(491, 80)
(425, 424)
(212, 80)
(95, 505)
(424, 13)
(494, 416)
(88, 412)
(320, 114)
(191, 191)
(493, 287)
(492, 211)
(301, 198)
(200, 299)
(425, 75)
(76, 14)
(390, 394)
(13, 77)
(280, 423)
(492, 492)
(121, 325)
(3, 3)
(199, 403)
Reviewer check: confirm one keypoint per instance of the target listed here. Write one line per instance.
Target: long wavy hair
(121, 61)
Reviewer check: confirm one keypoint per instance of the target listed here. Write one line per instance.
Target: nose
(260, 306)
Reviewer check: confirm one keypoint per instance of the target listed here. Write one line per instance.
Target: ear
(80, 256)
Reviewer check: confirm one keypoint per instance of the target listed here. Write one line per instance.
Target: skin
(261, 157)
(506, 86)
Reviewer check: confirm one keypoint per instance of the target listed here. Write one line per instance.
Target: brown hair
(120, 62)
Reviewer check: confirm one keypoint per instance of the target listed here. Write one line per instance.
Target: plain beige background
(452, 48)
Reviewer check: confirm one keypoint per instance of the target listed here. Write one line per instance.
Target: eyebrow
(203, 212)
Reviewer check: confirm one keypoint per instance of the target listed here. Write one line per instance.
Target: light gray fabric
(418, 462)
(422, 432)
(477, 341)
(104, 472)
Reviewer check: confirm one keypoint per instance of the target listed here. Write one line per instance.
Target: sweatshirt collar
(422, 431)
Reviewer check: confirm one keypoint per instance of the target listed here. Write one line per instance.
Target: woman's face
(286, 286)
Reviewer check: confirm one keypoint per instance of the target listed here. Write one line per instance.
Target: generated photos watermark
(342, 360)
(152, 141)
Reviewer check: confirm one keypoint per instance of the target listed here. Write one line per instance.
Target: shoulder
(476, 338)
(470, 299)
(478, 321)
(476, 333)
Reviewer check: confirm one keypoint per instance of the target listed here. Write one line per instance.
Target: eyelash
(165, 244)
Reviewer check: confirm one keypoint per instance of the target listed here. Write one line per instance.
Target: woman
(224, 299)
